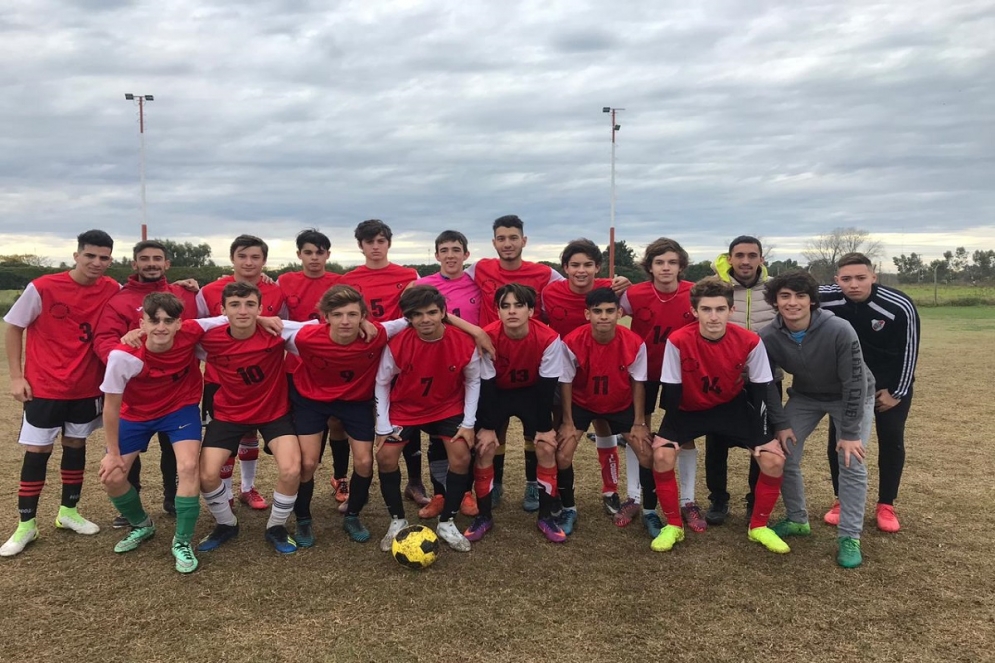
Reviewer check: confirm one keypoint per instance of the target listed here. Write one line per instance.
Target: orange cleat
(887, 521)
(433, 508)
(468, 507)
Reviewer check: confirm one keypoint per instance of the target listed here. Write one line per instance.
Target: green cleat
(70, 518)
(135, 538)
(769, 539)
(25, 533)
(668, 536)
(186, 562)
(355, 529)
(849, 556)
(786, 528)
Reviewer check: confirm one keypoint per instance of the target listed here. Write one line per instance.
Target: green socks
(187, 512)
(130, 506)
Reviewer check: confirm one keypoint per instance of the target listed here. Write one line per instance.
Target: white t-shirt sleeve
(554, 360)
(395, 327)
(638, 368)
(385, 374)
(289, 334)
(758, 365)
(471, 271)
(202, 311)
(487, 371)
(25, 309)
(569, 365)
(471, 390)
(671, 371)
(555, 276)
(121, 367)
(207, 324)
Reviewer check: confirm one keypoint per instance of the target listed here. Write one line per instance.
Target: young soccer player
(829, 376)
(703, 391)
(520, 382)
(59, 384)
(429, 377)
(252, 395)
(123, 313)
(887, 324)
(603, 379)
(335, 378)
(658, 307)
(248, 256)
(156, 389)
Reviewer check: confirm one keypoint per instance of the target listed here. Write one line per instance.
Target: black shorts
(620, 422)
(519, 403)
(443, 428)
(654, 398)
(45, 418)
(207, 402)
(311, 416)
(226, 435)
(732, 421)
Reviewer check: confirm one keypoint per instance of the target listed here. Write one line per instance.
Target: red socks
(546, 476)
(666, 492)
(768, 490)
(608, 458)
(483, 480)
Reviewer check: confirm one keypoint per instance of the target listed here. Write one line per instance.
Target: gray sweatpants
(804, 414)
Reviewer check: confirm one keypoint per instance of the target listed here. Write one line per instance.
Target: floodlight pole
(611, 227)
(142, 98)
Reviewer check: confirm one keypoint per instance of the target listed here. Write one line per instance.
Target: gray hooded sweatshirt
(827, 365)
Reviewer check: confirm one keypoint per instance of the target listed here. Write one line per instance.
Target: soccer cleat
(281, 540)
(304, 534)
(342, 490)
(786, 528)
(887, 520)
(221, 534)
(530, 503)
(468, 507)
(433, 508)
(70, 519)
(355, 529)
(253, 499)
(766, 537)
(832, 516)
(627, 512)
(667, 538)
(567, 520)
(25, 533)
(849, 556)
(120, 522)
(396, 525)
(186, 562)
(416, 493)
(691, 515)
(611, 503)
(551, 530)
(717, 513)
(653, 524)
(169, 506)
(135, 538)
(497, 492)
(478, 528)
(449, 533)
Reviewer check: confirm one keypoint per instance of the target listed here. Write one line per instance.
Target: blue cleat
(567, 520)
(221, 534)
(280, 538)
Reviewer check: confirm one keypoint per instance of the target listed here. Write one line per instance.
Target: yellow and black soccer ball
(415, 547)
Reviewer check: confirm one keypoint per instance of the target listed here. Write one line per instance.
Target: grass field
(924, 594)
(924, 295)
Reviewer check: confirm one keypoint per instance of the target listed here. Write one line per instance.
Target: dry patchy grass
(923, 594)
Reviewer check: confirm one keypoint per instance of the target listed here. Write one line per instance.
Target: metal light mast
(141, 99)
(611, 230)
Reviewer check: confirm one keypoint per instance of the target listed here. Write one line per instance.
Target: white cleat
(77, 523)
(18, 542)
(449, 533)
(396, 525)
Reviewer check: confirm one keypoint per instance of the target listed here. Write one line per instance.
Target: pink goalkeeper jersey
(462, 295)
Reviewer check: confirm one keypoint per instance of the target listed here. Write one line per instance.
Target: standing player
(829, 376)
(248, 256)
(704, 393)
(60, 382)
(604, 379)
(123, 313)
(520, 382)
(303, 290)
(887, 324)
(155, 389)
(429, 378)
(252, 395)
(658, 307)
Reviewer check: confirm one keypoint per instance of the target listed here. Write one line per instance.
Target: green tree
(911, 268)
(698, 270)
(779, 266)
(187, 254)
(984, 264)
(828, 248)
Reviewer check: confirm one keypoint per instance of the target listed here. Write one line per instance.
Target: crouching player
(704, 394)
(155, 389)
(436, 389)
(253, 395)
(520, 382)
(604, 378)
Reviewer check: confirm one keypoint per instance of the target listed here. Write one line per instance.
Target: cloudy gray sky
(782, 119)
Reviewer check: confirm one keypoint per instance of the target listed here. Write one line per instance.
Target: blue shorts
(184, 424)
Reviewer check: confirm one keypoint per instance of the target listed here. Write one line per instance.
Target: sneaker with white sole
(186, 561)
(71, 519)
(25, 533)
(449, 533)
(396, 525)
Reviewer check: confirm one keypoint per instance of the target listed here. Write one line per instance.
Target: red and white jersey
(60, 317)
(655, 315)
(434, 380)
(302, 293)
(250, 373)
(490, 276)
(327, 371)
(155, 384)
(521, 362)
(602, 372)
(462, 295)
(381, 288)
(564, 308)
(711, 372)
